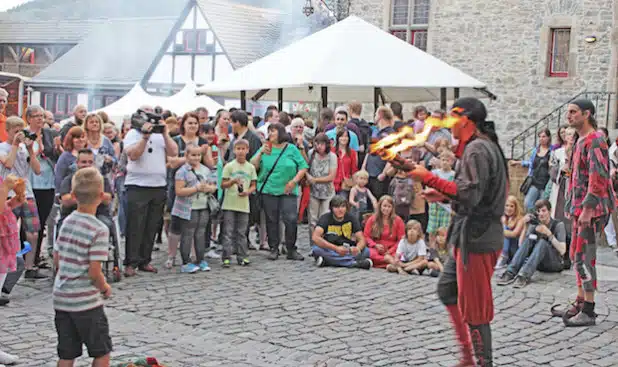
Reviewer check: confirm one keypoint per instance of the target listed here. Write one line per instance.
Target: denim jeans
(281, 208)
(332, 258)
(531, 197)
(122, 204)
(509, 249)
(543, 256)
(194, 234)
(235, 234)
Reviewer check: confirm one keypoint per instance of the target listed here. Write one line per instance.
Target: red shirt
(3, 135)
(390, 237)
(347, 165)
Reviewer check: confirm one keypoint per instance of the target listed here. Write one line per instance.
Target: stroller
(111, 268)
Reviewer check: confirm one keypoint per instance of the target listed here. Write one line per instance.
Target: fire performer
(478, 195)
(590, 202)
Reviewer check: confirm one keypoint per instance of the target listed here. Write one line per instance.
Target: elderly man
(79, 114)
(49, 119)
(146, 187)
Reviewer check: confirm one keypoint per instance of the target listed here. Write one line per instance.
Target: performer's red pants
(469, 286)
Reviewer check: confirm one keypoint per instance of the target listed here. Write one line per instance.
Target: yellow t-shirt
(244, 171)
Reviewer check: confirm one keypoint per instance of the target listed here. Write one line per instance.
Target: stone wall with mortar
(506, 45)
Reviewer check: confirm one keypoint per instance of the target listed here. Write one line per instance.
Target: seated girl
(383, 231)
(513, 223)
(411, 251)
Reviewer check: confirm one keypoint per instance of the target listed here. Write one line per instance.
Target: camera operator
(542, 247)
(148, 144)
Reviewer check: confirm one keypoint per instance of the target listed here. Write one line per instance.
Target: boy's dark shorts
(78, 328)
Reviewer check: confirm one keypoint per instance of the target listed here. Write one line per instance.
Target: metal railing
(523, 143)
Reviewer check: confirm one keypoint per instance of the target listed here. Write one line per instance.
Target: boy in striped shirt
(81, 246)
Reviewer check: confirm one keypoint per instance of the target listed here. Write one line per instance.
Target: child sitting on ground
(438, 253)
(81, 246)
(361, 196)
(411, 251)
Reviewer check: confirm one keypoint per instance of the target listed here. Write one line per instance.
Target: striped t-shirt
(82, 239)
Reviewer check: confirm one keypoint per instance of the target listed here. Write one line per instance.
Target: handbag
(261, 189)
(214, 207)
(525, 186)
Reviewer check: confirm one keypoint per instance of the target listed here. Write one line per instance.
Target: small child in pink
(9, 231)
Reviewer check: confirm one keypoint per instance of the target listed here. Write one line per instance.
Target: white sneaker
(6, 358)
(170, 263)
(212, 254)
(502, 263)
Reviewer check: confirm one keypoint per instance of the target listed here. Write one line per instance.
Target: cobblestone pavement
(293, 314)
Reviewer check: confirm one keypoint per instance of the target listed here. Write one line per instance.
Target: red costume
(389, 238)
(478, 195)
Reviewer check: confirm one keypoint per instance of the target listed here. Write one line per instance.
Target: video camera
(29, 135)
(139, 118)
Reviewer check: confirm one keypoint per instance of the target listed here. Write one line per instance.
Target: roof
(70, 21)
(38, 10)
(412, 76)
(249, 32)
(119, 51)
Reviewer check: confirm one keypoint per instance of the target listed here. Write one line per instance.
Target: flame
(391, 145)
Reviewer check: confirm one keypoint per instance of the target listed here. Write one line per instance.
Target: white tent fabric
(181, 102)
(188, 100)
(324, 59)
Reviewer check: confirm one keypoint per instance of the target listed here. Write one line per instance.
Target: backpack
(402, 191)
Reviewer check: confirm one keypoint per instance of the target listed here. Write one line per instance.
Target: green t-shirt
(287, 167)
(244, 171)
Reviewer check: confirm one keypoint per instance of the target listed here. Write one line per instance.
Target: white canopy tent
(323, 64)
(181, 102)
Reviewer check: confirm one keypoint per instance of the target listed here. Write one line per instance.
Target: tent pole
(243, 100)
(443, 99)
(280, 98)
(376, 98)
(324, 97)
(456, 94)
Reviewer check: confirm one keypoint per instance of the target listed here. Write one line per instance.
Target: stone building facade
(534, 55)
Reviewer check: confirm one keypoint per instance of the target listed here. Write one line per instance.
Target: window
(61, 103)
(48, 101)
(194, 40)
(409, 21)
(559, 52)
(109, 100)
(72, 102)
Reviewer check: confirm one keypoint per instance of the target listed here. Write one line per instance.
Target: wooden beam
(456, 94)
(376, 98)
(324, 97)
(49, 53)
(280, 98)
(259, 95)
(243, 100)
(14, 54)
(443, 99)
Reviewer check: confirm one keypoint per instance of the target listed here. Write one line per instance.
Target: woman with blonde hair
(513, 223)
(100, 145)
(383, 231)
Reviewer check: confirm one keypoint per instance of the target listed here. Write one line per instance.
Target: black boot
(274, 254)
(481, 341)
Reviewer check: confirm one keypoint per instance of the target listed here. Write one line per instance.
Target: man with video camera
(542, 248)
(148, 144)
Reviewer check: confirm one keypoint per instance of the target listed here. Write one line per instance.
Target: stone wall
(507, 46)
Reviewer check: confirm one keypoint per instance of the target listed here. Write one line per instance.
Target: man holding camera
(542, 248)
(148, 144)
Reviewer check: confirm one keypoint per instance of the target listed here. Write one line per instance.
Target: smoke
(294, 24)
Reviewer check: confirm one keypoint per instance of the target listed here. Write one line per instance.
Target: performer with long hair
(478, 195)
(590, 202)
